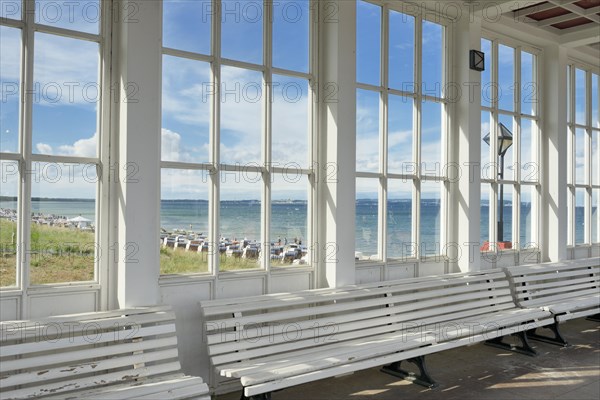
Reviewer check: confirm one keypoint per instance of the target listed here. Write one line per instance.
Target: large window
(236, 135)
(583, 175)
(50, 141)
(510, 147)
(401, 157)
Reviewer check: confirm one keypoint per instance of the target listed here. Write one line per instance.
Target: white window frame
(214, 167)
(25, 156)
(517, 183)
(588, 186)
(418, 97)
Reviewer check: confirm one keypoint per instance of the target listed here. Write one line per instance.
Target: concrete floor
(479, 372)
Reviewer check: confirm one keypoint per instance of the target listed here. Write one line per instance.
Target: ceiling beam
(538, 8)
(556, 20)
(580, 35)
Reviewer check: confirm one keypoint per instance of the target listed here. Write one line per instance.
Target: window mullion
(383, 144)
(214, 141)
(267, 134)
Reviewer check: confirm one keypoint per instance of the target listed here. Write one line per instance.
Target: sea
(241, 219)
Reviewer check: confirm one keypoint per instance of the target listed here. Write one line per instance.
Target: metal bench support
(423, 379)
(262, 396)
(525, 347)
(557, 339)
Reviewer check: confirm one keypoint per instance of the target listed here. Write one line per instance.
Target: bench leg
(423, 379)
(595, 318)
(263, 396)
(525, 347)
(557, 339)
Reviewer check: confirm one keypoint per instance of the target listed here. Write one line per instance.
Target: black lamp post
(505, 140)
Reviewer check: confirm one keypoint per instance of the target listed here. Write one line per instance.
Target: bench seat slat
(91, 381)
(561, 265)
(573, 290)
(157, 388)
(577, 314)
(278, 384)
(326, 359)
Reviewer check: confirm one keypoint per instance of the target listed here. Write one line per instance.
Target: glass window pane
(400, 135)
(579, 155)
(186, 98)
(400, 243)
(241, 30)
(402, 52)
(81, 15)
(580, 97)
(595, 215)
(595, 102)
(431, 139)
(528, 84)
(484, 229)
(529, 165)
(184, 234)
(368, 43)
(291, 22)
(486, 75)
(10, 84)
(505, 214)
(289, 219)
(186, 25)
(579, 215)
(9, 189)
(63, 208)
(509, 158)
(430, 219)
(367, 131)
(66, 96)
(433, 55)
(367, 221)
(10, 9)
(241, 116)
(240, 216)
(527, 218)
(487, 159)
(290, 122)
(506, 78)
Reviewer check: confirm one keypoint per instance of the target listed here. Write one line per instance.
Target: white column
(465, 144)
(337, 143)
(138, 189)
(553, 91)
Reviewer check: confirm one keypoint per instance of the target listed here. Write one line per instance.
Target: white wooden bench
(569, 289)
(276, 341)
(121, 354)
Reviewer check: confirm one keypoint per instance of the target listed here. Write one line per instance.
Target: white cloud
(44, 148)
(81, 148)
(170, 145)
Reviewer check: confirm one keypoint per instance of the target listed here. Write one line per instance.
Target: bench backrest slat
(264, 326)
(56, 356)
(546, 283)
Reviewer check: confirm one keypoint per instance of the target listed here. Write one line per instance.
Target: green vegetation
(57, 254)
(67, 255)
(180, 261)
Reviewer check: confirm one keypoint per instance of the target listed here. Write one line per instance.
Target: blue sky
(66, 77)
